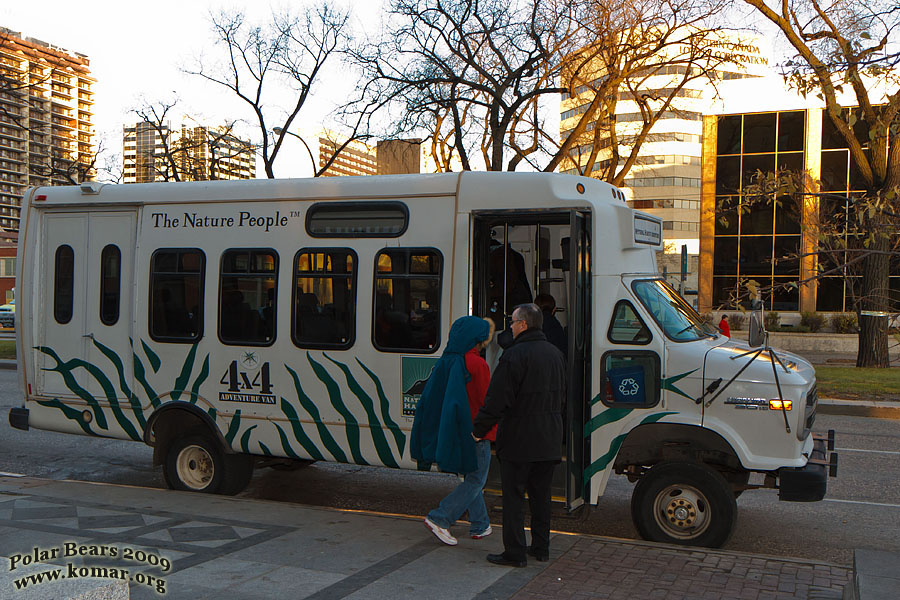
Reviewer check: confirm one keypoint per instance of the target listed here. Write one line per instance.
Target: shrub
(844, 323)
(736, 320)
(708, 317)
(813, 320)
(772, 320)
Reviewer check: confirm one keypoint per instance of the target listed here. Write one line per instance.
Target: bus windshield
(678, 319)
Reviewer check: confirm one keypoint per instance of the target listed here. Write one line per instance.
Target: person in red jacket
(469, 494)
(724, 327)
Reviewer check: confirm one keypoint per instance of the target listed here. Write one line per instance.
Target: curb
(8, 364)
(860, 408)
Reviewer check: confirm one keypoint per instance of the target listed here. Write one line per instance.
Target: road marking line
(5, 474)
(861, 502)
(868, 451)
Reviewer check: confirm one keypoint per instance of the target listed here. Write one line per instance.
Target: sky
(137, 52)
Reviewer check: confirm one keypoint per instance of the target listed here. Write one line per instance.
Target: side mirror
(757, 332)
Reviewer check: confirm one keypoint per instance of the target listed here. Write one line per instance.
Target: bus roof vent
(91, 187)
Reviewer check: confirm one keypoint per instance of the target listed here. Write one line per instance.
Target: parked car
(8, 315)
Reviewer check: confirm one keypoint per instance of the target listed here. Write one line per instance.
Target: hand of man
(477, 439)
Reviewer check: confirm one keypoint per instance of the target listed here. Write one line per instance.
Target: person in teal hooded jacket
(442, 430)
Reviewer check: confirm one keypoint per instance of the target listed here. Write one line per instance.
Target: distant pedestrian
(442, 430)
(724, 327)
(525, 397)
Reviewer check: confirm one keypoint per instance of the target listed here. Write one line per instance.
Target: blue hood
(442, 430)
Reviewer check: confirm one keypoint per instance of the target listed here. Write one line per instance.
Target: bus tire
(684, 503)
(195, 463)
(238, 472)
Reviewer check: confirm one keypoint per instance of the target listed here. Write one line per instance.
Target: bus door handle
(89, 335)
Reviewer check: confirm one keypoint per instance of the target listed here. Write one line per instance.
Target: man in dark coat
(525, 397)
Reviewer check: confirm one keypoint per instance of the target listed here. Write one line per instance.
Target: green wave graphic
(181, 381)
(310, 407)
(334, 393)
(245, 439)
(399, 436)
(285, 444)
(233, 427)
(140, 374)
(123, 384)
(299, 434)
(70, 413)
(375, 427)
(264, 449)
(610, 415)
(65, 370)
(602, 462)
(155, 363)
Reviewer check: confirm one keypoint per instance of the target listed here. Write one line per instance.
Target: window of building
(247, 293)
(407, 300)
(63, 284)
(357, 219)
(110, 284)
(176, 295)
(324, 314)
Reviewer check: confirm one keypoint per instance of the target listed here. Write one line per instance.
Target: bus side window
(110, 282)
(176, 295)
(64, 284)
(247, 291)
(627, 327)
(324, 303)
(407, 300)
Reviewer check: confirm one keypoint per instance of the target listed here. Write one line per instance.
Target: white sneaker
(441, 533)
(483, 534)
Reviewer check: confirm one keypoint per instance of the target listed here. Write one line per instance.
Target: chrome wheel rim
(195, 467)
(682, 511)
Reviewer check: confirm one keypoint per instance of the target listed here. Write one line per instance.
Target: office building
(158, 152)
(774, 244)
(665, 180)
(46, 108)
(388, 157)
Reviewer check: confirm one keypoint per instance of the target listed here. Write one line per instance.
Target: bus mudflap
(18, 418)
(808, 483)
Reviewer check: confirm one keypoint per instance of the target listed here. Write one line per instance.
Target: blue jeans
(468, 496)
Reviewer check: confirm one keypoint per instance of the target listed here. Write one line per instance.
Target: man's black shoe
(540, 556)
(499, 559)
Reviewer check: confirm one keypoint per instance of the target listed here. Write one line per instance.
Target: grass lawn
(858, 384)
(8, 349)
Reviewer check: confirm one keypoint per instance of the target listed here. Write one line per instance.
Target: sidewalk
(235, 548)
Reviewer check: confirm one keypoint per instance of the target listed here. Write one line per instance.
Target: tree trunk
(874, 306)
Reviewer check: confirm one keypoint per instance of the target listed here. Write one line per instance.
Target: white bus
(228, 324)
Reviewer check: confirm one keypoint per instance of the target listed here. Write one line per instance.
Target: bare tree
(851, 46)
(262, 62)
(482, 76)
(643, 53)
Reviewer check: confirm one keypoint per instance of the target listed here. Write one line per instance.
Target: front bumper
(18, 418)
(808, 483)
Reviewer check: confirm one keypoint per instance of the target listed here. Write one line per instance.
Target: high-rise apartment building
(46, 106)
(357, 158)
(388, 157)
(157, 152)
(665, 181)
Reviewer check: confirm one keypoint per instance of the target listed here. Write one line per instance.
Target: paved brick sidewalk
(595, 568)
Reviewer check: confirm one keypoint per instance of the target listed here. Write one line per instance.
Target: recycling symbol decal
(629, 387)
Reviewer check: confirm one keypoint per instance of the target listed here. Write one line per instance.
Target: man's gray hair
(531, 314)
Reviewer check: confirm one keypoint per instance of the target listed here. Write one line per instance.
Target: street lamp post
(280, 131)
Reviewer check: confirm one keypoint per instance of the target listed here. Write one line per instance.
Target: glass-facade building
(769, 239)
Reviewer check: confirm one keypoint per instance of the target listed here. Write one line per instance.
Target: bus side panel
(345, 405)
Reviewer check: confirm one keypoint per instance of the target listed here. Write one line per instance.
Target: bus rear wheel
(196, 463)
(684, 503)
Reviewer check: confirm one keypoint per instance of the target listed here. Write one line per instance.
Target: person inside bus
(442, 429)
(234, 314)
(552, 328)
(516, 289)
(314, 326)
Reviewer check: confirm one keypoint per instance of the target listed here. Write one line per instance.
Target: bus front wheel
(195, 463)
(684, 503)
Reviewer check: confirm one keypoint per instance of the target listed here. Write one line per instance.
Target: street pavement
(223, 547)
(170, 544)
